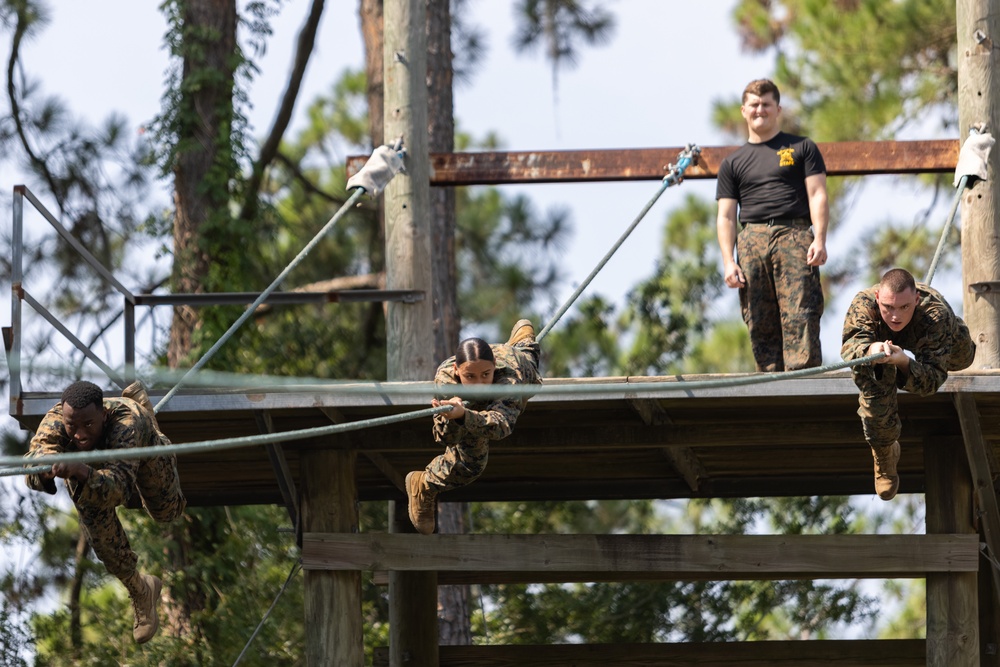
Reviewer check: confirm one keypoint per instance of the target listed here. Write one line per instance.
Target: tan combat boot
(421, 504)
(144, 590)
(137, 392)
(522, 331)
(886, 477)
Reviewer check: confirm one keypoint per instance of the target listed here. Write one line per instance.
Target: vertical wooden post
(413, 621)
(978, 23)
(334, 630)
(952, 598)
(413, 638)
(409, 327)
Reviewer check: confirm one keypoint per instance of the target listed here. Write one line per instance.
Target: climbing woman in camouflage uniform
(467, 431)
(900, 314)
(83, 421)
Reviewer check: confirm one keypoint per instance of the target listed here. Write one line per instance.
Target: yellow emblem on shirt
(785, 158)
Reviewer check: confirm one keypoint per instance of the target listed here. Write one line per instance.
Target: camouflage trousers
(878, 404)
(462, 463)
(159, 488)
(782, 301)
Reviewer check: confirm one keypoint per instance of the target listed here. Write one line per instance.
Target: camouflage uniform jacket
(491, 419)
(111, 481)
(929, 336)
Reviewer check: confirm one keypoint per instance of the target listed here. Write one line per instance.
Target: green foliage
(584, 343)
(504, 253)
(860, 69)
(557, 26)
(670, 310)
(671, 611)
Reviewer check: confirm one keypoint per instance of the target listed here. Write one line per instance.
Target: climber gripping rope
(467, 431)
(85, 421)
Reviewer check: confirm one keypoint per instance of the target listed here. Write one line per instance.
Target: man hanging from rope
(83, 421)
(900, 314)
(467, 432)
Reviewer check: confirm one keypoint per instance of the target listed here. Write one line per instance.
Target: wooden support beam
(681, 459)
(982, 467)
(843, 158)
(413, 638)
(282, 473)
(842, 653)
(952, 597)
(723, 557)
(580, 437)
(333, 622)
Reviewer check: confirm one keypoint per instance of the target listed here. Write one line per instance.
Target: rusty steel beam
(845, 158)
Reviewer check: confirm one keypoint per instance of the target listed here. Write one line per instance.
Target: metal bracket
(985, 286)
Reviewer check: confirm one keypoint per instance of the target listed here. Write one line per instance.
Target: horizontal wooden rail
(844, 158)
(667, 557)
(836, 653)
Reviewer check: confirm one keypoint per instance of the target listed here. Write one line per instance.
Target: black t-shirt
(768, 180)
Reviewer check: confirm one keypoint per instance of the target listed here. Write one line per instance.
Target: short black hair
(81, 393)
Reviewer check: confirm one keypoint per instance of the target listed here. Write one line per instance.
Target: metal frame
(12, 334)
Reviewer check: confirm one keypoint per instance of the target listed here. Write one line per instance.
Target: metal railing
(12, 336)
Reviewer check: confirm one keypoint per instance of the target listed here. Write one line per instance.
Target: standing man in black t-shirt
(777, 182)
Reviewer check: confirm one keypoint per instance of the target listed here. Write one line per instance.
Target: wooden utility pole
(413, 639)
(334, 629)
(978, 23)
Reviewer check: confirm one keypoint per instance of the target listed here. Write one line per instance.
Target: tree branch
(268, 151)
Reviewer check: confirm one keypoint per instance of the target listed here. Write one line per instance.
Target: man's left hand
(817, 254)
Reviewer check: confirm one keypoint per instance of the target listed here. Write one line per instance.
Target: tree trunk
(203, 168)
(371, 29)
(205, 123)
(441, 131)
(75, 628)
(454, 615)
(454, 620)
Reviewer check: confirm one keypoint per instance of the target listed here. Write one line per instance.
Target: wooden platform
(793, 437)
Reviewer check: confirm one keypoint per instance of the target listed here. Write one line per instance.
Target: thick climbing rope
(947, 228)
(95, 456)
(422, 388)
(263, 296)
(675, 176)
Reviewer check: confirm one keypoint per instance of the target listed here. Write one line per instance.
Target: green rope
(291, 575)
(10, 472)
(947, 228)
(263, 296)
(422, 388)
(102, 455)
(676, 175)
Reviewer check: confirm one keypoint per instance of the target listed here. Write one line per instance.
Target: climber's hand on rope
(78, 471)
(894, 353)
(734, 276)
(817, 254)
(457, 413)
